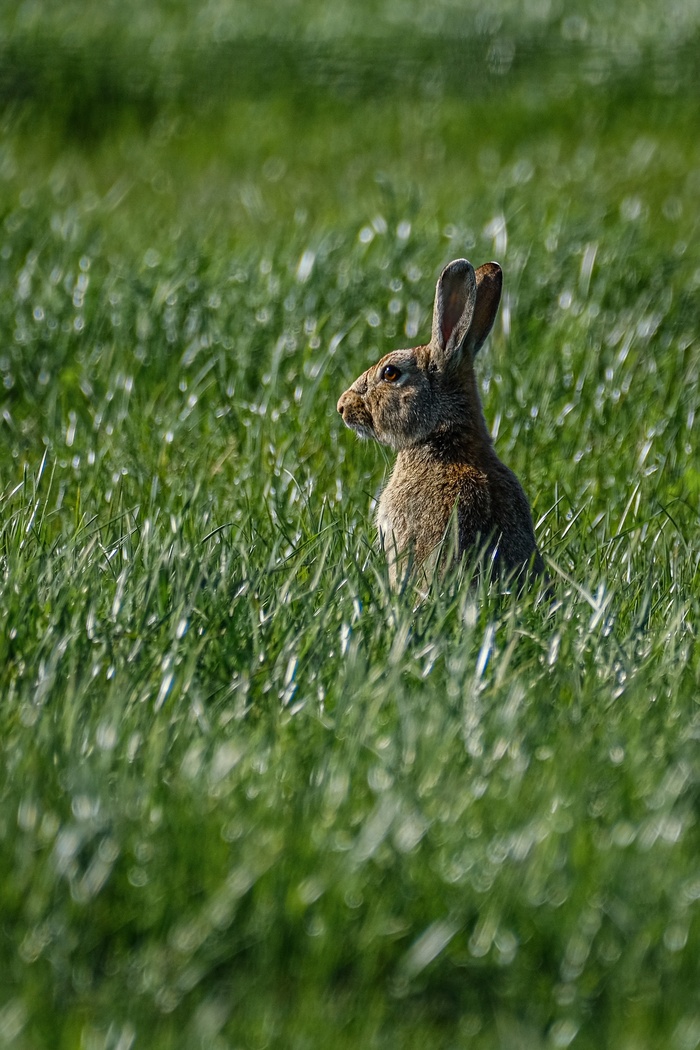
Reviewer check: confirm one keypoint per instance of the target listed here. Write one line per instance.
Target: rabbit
(424, 404)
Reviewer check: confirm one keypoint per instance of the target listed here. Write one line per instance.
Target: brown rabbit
(424, 403)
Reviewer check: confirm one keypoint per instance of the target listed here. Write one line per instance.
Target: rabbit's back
(512, 532)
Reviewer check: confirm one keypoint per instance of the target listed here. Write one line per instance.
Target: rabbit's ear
(455, 299)
(489, 283)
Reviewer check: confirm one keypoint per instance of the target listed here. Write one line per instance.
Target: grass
(249, 796)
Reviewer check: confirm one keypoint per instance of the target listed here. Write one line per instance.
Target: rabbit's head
(411, 394)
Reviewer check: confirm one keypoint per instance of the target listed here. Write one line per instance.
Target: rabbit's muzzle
(355, 415)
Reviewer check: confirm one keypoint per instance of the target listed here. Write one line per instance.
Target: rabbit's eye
(390, 373)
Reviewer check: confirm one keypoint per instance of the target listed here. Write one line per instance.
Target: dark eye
(390, 373)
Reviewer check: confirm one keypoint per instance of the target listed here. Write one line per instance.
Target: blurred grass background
(248, 797)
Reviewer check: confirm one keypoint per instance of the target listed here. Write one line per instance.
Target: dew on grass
(164, 690)
(413, 317)
(687, 1032)
(13, 1019)
(226, 756)
(496, 231)
(563, 1032)
(428, 947)
(27, 814)
(305, 265)
(485, 651)
(106, 736)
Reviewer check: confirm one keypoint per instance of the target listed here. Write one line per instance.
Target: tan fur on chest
(416, 506)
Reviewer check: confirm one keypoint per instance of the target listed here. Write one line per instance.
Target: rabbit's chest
(416, 506)
(401, 513)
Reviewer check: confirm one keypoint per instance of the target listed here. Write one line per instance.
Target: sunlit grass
(249, 795)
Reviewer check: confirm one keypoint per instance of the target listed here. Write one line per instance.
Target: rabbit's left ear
(489, 284)
(455, 299)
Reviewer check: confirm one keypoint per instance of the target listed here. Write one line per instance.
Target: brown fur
(427, 408)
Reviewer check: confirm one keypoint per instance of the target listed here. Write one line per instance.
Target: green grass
(249, 796)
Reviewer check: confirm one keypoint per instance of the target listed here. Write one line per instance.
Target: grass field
(249, 797)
